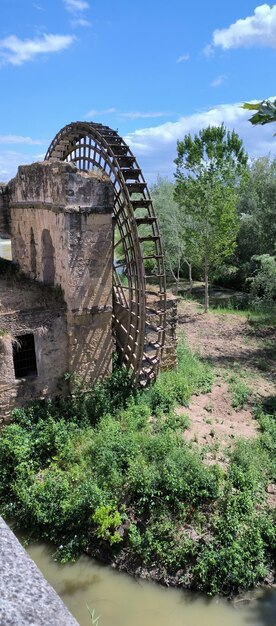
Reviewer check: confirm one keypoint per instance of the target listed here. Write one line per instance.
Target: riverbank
(128, 478)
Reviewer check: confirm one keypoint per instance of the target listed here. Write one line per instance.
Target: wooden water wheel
(138, 309)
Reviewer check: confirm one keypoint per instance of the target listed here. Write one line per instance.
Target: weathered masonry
(57, 318)
(26, 597)
(86, 241)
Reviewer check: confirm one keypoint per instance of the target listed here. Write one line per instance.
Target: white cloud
(219, 80)
(183, 57)
(130, 115)
(96, 113)
(10, 160)
(19, 139)
(256, 30)
(208, 50)
(17, 51)
(135, 115)
(80, 22)
(155, 147)
(75, 6)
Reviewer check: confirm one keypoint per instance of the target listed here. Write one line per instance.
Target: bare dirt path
(243, 358)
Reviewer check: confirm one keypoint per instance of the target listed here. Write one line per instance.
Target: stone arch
(47, 258)
(33, 254)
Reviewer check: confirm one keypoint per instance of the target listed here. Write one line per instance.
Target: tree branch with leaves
(265, 112)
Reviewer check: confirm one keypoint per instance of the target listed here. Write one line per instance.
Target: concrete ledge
(25, 596)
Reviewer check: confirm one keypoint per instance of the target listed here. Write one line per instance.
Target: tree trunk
(191, 283)
(176, 277)
(206, 278)
(190, 277)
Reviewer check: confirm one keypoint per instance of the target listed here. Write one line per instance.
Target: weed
(172, 387)
(107, 522)
(259, 318)
(238, 389)
(94, 619)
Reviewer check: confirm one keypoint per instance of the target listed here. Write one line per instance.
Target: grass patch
(236, 305)
(228, 310)
(262, 318)
(239, 391)
(193, 376)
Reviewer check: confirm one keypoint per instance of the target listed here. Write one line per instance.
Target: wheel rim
(138, 309)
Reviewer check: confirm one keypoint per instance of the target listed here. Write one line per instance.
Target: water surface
(124, 601)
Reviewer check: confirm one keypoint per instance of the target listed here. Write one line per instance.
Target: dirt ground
(231, 345)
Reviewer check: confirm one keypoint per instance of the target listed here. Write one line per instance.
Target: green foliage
(127, 483)
(257, 210)
(95, 620)
(209, 166)
(161, 543)
(244, 532)
(239, 390)
(109, 395)
(266, 112)
(192, 376)
(107, 522)
(256, 206)
(263, 283)
(172, 227)
(268, 440)
(235, 559)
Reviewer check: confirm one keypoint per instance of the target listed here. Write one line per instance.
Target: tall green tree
(209, 167)
(172, 227)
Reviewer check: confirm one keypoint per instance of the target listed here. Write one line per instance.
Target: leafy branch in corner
(265, 112)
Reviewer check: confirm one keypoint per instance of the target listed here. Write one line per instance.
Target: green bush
(263, 283)
(172, 387)
(107, 522)
(123, 476)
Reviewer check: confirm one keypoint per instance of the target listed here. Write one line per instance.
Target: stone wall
(61, 227)
(60, 222)
(27, 599)
(45, 318)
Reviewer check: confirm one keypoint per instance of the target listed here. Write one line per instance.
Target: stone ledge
(26, 599)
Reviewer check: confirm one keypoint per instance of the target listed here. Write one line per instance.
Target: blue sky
(152, 70)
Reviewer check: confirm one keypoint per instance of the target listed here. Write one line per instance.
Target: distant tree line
(218, 217)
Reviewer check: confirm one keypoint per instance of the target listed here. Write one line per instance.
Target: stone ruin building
(89, 272)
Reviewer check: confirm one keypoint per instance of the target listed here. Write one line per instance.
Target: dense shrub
(123, 482)
(263, 282)
(192, 376)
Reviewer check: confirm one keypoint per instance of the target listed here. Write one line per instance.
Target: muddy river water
(123, 601)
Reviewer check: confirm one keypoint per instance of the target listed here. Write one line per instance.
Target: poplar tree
(209, 167)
